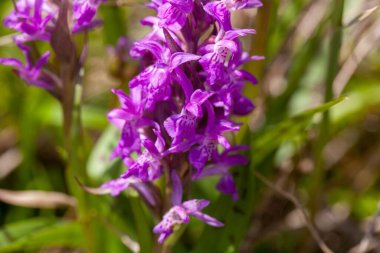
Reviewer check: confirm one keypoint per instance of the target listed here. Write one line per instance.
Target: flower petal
(149, 145)
(170, 125)
(200, 96)
(195, 205)
(242, 105)
(227, 185)
(177, 188)
(145, 192)
(118, 185)
(12, 62)
(184, 5)
(42, 61)
(219, 11)
(179, 58)
(147, 45)
(198, 158)
(232, 34)
(245, 75)
(208, 219)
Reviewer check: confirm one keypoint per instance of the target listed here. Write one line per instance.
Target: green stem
(74, 144)
(335, 46)
(264, 21)
(143, 229)
(332, 69)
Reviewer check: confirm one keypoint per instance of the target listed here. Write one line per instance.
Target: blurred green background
(319, 157)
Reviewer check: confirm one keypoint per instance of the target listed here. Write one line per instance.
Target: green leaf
(362, 97)
(99, 160)
(37, 234)
(115, 23)
(270, 138)
(19, 229)
(144, 230)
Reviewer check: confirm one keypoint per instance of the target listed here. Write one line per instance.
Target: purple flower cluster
(173, 122)
(36, 20)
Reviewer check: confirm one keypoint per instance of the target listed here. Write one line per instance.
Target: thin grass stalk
(265, 18)
(76, 167)
(308, 222)
(332, 70)
(142, 228)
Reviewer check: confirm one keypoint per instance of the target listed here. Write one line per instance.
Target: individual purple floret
(180, 212)
(30, 71)
(120, 184)
(173, 13)
(31, 18)
(175, 122)
(84, 12)
(224, 161)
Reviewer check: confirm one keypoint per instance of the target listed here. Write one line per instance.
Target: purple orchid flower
(207, 148)
(30, 72)
(183, 125)
(229, 97)
(42, 20)
(181, 211)
(234, 5)
(84, 12)
(31, 18)
(155, 4)
(221, 167)
(129, 119)
(173, 13)
(182, 102)
(180, 214)
(221, 10)
(157, 30)
(203, 147)
(226, 185)
(157, 79)
(221, 55)
(148, 167)
(116, 186)
(36, 19)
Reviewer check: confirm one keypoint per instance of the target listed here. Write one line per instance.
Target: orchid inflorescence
(54, 22)
(180, 107)
(174, 120)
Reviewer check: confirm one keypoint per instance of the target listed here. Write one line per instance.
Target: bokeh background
(308, 155)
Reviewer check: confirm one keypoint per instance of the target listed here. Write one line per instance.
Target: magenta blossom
(32, 19)
(173, 13)
(31, 72)
(180, 212)
(48, 21)
(182, 106)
